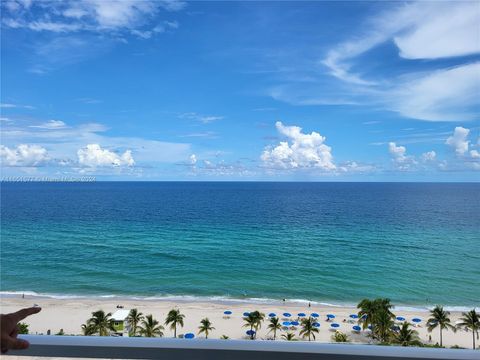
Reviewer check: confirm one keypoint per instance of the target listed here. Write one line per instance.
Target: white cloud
(444, 95)
(13, 106)
(94, 156)
(87, 15)
(50, 125)
(429, 156)
(420, 30)
(474, 154)
(193, 159)
(300, 151)
(458, 141)
(401, 160)
(23, 155)
(450, 30)
(205, 119)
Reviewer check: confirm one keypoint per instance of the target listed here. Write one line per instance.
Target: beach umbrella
(189, 336)
(301, 314)
(369, 327)
(246, 313)
(316, 324)
(364, 316)
(335, 325)
(227, 312)
(416, 320)
(354, 316)
(315, 315)
(295, 323)
(286, 323)
(287, 314)
(250, 332)
(330, 316)
(272, 315)
(356, 328)
(400, 318)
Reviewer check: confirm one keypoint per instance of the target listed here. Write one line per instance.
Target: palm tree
(174, 318)
(101, 323)
(150, 327)
(87, 330)
(439, 317)
(383, 323)
(274, 326)
(471, 320)
(289, 336)
(254, 321)
(134, 318)
(407, 336)
(308, 330)
(205, 327)
(339, 336)
(373, 311)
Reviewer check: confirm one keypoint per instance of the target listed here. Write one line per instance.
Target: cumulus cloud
(458, 141)
(401, 160)
(23, 155)
(300, 151)
(429, 156)
(193, 159)
(474, 154)
(94, 156)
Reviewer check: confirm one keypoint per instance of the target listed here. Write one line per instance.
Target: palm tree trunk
(175, 331)
(473, 336)
(441, 336)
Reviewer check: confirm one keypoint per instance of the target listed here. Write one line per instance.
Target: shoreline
(220, 300)
(69, 314)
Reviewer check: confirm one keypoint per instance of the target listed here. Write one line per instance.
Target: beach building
(120, 321)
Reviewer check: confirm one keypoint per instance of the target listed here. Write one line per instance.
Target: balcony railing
(178, 349)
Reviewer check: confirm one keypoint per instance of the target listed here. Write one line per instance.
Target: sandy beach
(70, 314)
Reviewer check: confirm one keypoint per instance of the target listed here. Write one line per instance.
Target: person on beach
(9, 329)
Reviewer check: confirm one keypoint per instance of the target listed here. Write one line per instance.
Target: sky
(240, 91)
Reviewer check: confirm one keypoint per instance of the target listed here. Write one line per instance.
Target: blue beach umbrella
(356, 328)
(315, 315)
(287, 314)
(364, 316)
(246, 313)
(272, 315)
(227, 312)
(250, 332)
(189, 336)
(400, 318)
(295, 323)
(330, 316)
(354, 316)
(301, 314)
(369, 327)
(335, 325)
(416, 320)
(316, 324)
(286, 323)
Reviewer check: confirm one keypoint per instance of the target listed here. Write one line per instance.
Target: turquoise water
(418, 244)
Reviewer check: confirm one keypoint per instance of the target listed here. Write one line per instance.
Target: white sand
(70, 314)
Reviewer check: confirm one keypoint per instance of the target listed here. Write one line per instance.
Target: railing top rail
(161, 348)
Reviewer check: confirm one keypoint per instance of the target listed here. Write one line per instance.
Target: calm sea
(417, 243)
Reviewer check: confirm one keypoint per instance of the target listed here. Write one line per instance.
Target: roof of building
(120, 315)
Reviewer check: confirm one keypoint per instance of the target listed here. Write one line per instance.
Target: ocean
(333, 243)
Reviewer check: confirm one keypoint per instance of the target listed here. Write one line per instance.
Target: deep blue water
(417, 243)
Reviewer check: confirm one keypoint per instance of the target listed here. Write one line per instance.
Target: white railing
(179, 349)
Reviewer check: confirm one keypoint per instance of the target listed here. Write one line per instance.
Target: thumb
(17, 344)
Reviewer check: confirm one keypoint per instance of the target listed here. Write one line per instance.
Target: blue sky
(170, 90)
